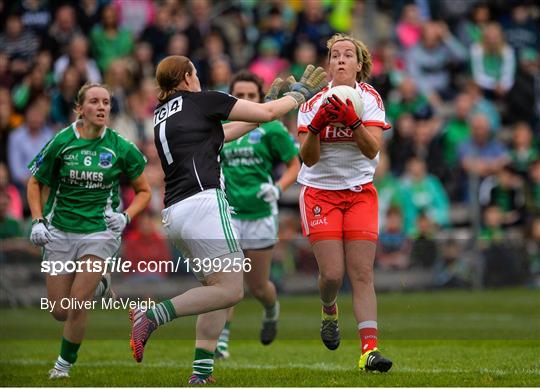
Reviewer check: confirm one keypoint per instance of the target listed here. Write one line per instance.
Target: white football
(345, 92)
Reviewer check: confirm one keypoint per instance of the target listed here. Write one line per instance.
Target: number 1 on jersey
(164, 143)
(160, 117)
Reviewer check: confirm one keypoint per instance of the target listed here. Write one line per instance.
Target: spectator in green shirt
(387, 189)
(110, 41)
(523, 151)
(410, 101)
(422, 192)
(456, 130)
(493, 62)
(533, 189)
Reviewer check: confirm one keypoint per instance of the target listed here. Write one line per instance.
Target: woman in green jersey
(73, 198)
(247, 165)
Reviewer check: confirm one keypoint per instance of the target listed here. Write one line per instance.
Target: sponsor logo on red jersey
(337, 134)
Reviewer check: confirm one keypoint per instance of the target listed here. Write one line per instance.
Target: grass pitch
(450, 338)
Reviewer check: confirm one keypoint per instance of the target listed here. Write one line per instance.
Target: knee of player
(363, 277)
(59, 314)
(238, 295)
(234, 294)
(258, 291)
(332, 278)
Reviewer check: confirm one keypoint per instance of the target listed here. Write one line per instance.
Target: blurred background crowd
(459, 176)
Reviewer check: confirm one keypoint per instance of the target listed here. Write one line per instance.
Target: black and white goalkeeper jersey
(189, 136)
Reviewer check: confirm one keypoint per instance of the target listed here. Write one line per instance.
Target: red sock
(330, 310)
(368, 337)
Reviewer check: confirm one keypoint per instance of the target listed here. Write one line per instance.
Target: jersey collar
(357, 85)
(78, 135)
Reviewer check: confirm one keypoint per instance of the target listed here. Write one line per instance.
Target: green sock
(163, 313)
(223, 341)
(203, 363)
(68, 350)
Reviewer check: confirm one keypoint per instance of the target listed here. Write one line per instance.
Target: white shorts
(200, 227)
(70, 246)
(257, 234)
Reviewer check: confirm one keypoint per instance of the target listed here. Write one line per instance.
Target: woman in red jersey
(338, 202)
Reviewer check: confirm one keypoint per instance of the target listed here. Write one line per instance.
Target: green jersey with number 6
(247, 163)
(83, 175)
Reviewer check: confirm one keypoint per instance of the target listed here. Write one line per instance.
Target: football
(345, 92)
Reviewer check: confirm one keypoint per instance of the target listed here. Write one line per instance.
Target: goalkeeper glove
(275, 88)
(312, 82)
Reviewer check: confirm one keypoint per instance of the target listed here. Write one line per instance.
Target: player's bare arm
(290, 175)
(235, 130)
(142, 197)
(261, 113)
(368, 140)
(310, 148)
(35, 200)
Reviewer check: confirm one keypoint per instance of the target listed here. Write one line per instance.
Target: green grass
(451, 338)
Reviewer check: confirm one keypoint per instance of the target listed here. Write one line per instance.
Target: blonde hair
(170, 72)
(362, 54)
(81, 95)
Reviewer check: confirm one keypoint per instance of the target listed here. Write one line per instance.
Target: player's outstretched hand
(344, 112)
(277, 86)
(322, 118)
(40, 234)
(312, 82)
(273, 91)
(269, 193)
(117, 221)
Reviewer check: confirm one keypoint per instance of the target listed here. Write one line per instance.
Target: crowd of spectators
(460, 81)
